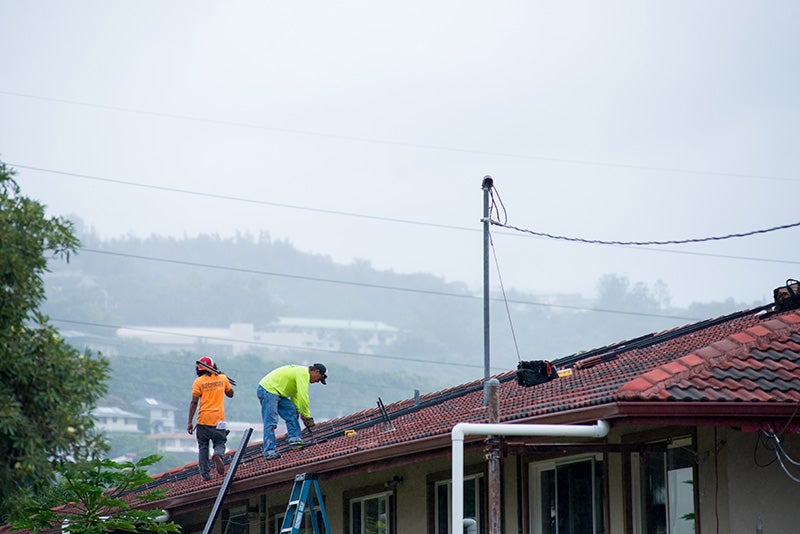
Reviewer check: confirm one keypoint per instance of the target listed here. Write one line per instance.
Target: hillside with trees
(209, 281)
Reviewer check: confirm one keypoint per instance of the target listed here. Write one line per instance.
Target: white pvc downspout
(598, 430)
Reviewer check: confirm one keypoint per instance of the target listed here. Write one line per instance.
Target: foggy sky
(363, 130)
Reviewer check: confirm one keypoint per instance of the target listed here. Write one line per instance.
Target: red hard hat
(206, 360)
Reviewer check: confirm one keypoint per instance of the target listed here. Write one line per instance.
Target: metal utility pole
(487, 186)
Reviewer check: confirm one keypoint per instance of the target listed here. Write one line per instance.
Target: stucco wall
(734, 488)
(750, 489)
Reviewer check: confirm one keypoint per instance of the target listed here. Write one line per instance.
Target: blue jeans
(271, 407)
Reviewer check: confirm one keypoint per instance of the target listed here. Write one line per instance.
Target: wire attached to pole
(493, 206)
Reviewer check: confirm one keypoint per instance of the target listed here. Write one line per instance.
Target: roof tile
(675, 368)
(635, 386)
(692, 360)
(657, 375)
(744, 339)
(791, 318)
(759, 330)
(709, 352)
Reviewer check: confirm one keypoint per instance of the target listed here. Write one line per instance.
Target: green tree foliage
(93, 497)
(46, 387)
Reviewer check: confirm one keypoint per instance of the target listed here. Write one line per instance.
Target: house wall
(752, 484)
(617, 483)
(410, 494)
(733, 492)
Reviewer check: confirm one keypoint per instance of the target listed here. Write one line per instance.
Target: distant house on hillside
(694, 429)
(116, 420)
(293, 332)
(162, 416)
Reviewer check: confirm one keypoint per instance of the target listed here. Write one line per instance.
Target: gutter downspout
(598, 430)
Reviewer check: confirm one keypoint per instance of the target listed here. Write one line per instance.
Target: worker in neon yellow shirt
(284, 392)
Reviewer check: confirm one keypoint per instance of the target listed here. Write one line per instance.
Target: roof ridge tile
(656, 381)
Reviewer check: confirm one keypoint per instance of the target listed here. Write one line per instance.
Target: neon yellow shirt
(290, 381)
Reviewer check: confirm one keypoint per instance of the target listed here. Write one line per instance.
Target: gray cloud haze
(627, 121)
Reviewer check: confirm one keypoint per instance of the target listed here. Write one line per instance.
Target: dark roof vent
(788, 296)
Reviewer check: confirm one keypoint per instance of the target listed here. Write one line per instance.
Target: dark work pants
(217, 437)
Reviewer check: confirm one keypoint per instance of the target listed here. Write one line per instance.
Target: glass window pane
(653, 494)
(442, 509)
(548, 504)
(680, 481)
(469, 499)
(383, 515)
(574, 489)
(375, 516)
(237, 524)
(355, 517)
(599, 499)
(473, 505)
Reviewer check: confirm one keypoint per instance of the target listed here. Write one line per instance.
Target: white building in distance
(293, 333)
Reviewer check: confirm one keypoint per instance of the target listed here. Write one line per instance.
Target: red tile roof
(721, 371)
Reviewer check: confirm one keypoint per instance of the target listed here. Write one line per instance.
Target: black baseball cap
(322, 371)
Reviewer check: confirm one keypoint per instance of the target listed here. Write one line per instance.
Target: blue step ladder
(302, 498)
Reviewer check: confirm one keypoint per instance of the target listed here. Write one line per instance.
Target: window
(568, 497)
(371, 514)
(237, 522)
(666, 490)
(473, 505)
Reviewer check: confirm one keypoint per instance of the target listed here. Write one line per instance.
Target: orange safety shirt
(210, 390)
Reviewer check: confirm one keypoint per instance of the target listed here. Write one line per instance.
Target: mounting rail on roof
(611, 351)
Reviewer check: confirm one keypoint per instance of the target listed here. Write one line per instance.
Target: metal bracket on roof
(386, 421)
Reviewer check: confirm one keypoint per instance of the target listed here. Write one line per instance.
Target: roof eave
(734, 414)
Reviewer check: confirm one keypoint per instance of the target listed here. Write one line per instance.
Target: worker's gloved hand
(308, 421)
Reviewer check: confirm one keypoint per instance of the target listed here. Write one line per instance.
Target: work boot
(217, 459)
(272, 456)
(296, 443)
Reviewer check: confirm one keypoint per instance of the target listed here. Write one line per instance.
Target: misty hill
(208, 281)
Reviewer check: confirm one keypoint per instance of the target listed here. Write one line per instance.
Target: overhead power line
(390, 142)
(379, 286)
(629, 243)
(239, 199)
(501, 220)
(519, 232)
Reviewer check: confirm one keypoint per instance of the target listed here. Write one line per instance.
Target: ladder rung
(293, 509)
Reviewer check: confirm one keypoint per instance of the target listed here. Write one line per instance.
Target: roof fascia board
(708, 410)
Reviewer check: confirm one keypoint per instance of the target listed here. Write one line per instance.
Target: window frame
(389, 495)
(535, 470)
(236, 516)
(434, 479)
(683, 442)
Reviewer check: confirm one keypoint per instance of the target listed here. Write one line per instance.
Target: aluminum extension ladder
(302, 497)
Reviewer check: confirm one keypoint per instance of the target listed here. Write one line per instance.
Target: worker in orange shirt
(208, 394)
